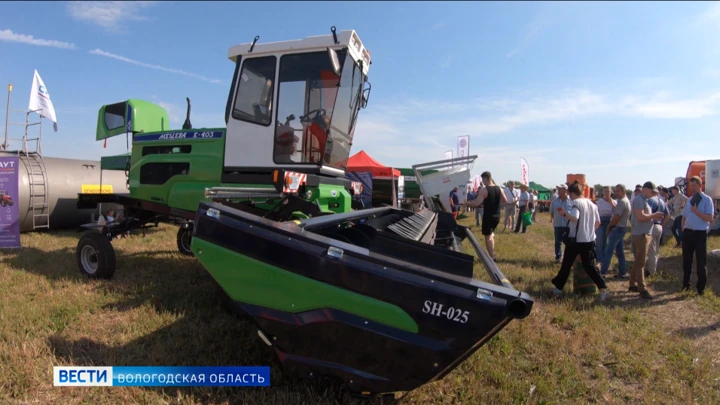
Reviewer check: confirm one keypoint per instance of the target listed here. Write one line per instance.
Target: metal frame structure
(34, 164)
(440, 166)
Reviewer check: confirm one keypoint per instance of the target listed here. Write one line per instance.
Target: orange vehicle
(698, 168)
(695, 168)
(589, 191)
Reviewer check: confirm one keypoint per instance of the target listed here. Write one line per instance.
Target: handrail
(490, 266)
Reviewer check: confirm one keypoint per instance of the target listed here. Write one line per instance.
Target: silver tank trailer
(65, 179)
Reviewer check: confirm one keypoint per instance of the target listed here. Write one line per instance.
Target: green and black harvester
(382, 298)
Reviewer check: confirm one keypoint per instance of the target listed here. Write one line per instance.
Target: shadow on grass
(205, 335)
(207, 339)
(698, 331)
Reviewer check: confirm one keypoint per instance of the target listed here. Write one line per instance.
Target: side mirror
(334, 60)
(365, 95)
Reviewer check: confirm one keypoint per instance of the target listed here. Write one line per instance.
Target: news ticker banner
(147, 376)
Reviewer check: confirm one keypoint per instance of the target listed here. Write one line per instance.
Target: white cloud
(176, 115)
(495, 116)
(110, 15)
(660, 107)
(530, 32)
(408, 132)
(9, 36)
(100, 52)
(710, 17)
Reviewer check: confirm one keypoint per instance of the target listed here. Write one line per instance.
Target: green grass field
(160, 309)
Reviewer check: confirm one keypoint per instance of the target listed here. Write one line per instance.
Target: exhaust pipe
(518, 308)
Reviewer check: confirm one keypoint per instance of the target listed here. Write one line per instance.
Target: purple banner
(9, 212)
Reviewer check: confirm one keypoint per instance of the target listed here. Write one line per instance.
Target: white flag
(524, 172)
(448, 155)
(40, 100)
(463, 147)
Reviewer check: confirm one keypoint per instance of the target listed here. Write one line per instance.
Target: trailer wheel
(184, 238)
(96, 256)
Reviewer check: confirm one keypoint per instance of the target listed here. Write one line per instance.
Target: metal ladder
(37, 177)
(39, 197)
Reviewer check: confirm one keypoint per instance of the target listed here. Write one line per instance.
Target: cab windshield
(317, 109)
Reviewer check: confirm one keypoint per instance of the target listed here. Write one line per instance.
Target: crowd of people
(595, 230)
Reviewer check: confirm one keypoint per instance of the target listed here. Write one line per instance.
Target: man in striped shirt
(560, 223)
(677, 204)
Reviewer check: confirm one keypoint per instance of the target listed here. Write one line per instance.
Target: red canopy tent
(362, 162)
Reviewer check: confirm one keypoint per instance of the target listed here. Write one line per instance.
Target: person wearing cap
(524, 203)
(560, 223)
(616, 230)
(656, 205)
(696, 219)
(641, 231)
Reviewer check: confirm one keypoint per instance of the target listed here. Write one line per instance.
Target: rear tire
(96, 256)
(184, 240)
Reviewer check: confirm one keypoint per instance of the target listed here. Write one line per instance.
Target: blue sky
(622, 92)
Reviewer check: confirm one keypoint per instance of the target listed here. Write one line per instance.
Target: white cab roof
(347, 38)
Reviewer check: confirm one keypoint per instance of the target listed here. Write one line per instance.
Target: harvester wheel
(184, 237)
(4, 203)
(96, 256)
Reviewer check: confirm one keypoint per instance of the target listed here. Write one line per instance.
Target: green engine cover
(257, 283)
(174, 168)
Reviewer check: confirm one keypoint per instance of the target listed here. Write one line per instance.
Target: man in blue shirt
(697, 217)
(455, 202)
(656, 205)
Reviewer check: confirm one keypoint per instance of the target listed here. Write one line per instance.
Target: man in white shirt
(584, 219)
(512, 195)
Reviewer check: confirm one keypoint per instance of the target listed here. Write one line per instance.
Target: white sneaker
(603, 295)
(557, 292)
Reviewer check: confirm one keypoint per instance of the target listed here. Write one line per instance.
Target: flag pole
(7, 117)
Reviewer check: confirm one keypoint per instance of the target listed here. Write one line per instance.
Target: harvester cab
(297, 103)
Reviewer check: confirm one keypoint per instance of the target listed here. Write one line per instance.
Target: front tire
(96, 256)
(184, 240)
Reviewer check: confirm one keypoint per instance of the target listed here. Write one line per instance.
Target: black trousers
(694, 243)
(677, 229)
(586, 252)
(519, 221)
